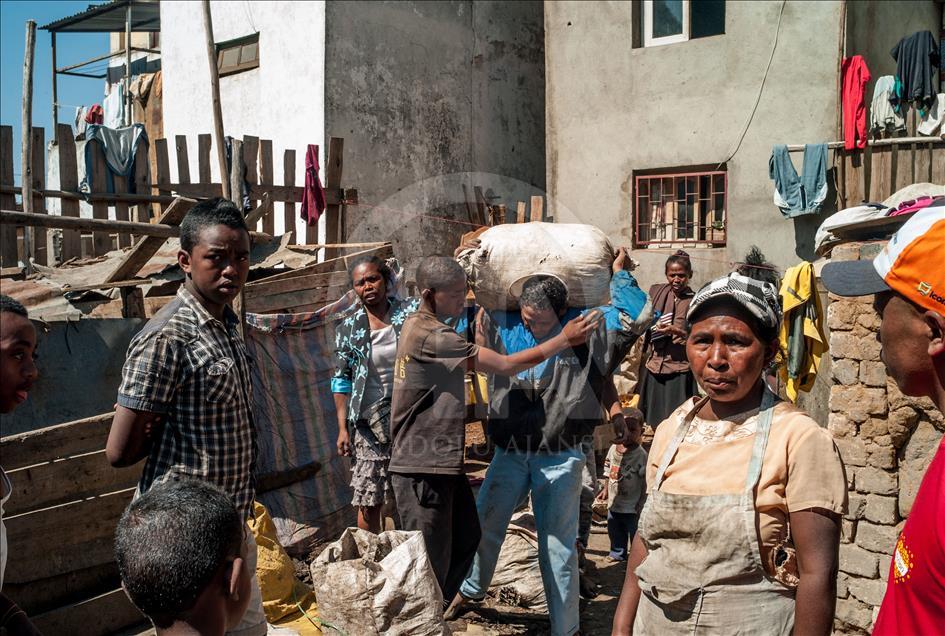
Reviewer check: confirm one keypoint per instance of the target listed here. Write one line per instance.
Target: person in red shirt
(908, 280)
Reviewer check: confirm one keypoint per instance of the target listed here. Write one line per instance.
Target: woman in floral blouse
(365, 347)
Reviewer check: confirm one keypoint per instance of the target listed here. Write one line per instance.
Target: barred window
(680, 208)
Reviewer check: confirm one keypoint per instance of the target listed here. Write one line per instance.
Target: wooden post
(288, 179)
(333, 172)
(41, 253)
(265, 179)
(217, 110)
(26, 160)
(538, 204)
(55, 90)
(520, 212)
(68, 180)
(235, 177)
(127, 82)
(8, 256)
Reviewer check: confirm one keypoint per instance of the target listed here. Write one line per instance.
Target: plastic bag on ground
(369, 584)
(580, 255)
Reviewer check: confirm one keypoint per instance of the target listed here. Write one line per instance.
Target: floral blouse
(353, 350)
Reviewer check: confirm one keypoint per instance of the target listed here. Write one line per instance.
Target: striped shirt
(194, 369)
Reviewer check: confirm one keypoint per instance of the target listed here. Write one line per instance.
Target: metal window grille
(681, 208)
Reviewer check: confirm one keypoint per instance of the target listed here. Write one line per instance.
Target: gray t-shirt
(626, 478)
(380, 376)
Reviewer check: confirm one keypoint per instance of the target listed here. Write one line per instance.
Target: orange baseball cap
(912, 264)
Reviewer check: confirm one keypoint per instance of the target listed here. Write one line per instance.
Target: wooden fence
(253, 161)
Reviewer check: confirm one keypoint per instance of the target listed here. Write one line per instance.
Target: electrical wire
(761, 89)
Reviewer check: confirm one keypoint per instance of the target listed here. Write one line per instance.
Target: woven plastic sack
(371, 584)
(580, 255)
(517, 579)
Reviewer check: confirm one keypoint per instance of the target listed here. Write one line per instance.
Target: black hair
(437, 272)
(209, 213)
(370, 259)
(171, 542)
(679, 257)
(757, 266)
(544, 292)
(13, 306)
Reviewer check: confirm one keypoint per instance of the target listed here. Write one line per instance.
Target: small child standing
(625, 468)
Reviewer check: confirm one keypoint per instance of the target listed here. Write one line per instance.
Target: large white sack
(580, 255)
(372, 584)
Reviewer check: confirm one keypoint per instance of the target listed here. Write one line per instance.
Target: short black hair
(371, 259)
(171, 542)
(544, 292)
(679, 257)
(218, 211)
(437, 272)
(13, 306)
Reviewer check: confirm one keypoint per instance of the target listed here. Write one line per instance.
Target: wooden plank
(904, 170)
(923, 163)
(481, 205)
(98, 616)
(121, 211)
(250, 162)
(68, 180)
(72, 536)
(339, 264)
(499, 214)
(8, 242)
(53, 592)
(183, 162)
(92, 225)
(854, 170)
(40, 254)
(278, 193)
(265, 178)
(312, 281)
(520, 212)
(60, 481)
(882, 169)
(288, 179)
(101, 241)
(333, 173)
(290, 302)
(142, 184)
(537, 212)
(55, 442)
(938, 163)
(865, 184)
(148, 246)
(236, 173)
(264, 208)
(163, 169)
(203, 158)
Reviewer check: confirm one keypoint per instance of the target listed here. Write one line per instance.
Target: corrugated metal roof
(110, 18)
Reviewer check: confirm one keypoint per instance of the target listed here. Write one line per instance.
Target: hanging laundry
(795, 195)
(885, 111)
(917, 58)
(80, 123)
(120, 147)
(313, 197)
(931, 124)
(853, 96)
(114, 107)
(95, 115)
(802, 329)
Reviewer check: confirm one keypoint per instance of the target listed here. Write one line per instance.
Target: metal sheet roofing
(110, 18)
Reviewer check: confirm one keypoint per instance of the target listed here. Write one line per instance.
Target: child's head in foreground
(214, 252)
(180, 553)
(17, 351)
(442, 284)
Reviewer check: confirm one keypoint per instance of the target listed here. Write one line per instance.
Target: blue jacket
(557, 404)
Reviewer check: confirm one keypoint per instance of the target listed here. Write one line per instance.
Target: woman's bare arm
(816, 535)
(630, 595)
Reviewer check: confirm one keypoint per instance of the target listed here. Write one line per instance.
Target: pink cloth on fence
(917, 204)
(313, 195)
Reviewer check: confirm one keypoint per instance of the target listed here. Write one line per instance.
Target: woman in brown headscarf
(665, 378)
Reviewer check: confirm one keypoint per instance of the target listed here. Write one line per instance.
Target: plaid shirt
(195, 370)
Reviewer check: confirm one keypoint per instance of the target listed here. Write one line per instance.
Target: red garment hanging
(313, 196)
(95, 114)
(852, 97)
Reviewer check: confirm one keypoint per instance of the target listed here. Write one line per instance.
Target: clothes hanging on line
(854, 75)
(95, 114)
(242, 196)
(120, 147)
(796, 196)
(917, 58)
(931, 123)
(114, 107)
(313, 196)
(885, 109)
(80, 123)
(802, 330)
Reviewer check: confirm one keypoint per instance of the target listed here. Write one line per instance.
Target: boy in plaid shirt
(185, 401)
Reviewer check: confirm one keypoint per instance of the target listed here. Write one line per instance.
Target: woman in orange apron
(741, 529)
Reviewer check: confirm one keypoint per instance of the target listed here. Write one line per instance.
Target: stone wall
(886, 439)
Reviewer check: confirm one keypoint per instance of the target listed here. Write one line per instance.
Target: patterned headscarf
(758, 297)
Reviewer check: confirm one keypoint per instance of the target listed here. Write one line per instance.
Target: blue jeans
(555, 483)
(621, 526)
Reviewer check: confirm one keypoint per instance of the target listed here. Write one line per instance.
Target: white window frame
(649, 40)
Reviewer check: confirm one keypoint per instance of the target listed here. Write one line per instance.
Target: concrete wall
(426, 94)
(282, 100)
(613, 109)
